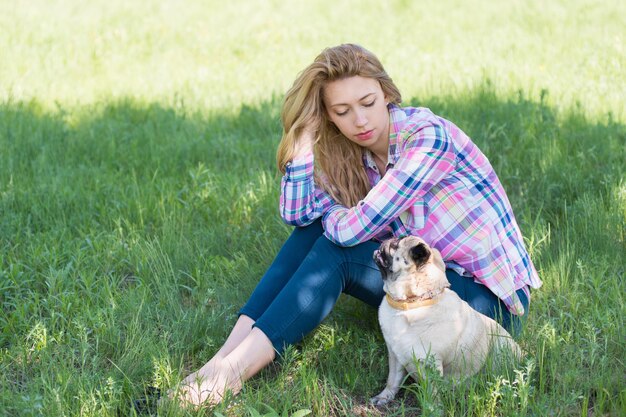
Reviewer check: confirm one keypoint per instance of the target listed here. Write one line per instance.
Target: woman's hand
(305, 141)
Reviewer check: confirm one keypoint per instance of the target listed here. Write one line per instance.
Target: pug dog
(424, 323)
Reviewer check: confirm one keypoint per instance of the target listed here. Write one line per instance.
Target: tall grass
(138, 195)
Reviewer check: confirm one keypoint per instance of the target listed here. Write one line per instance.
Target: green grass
(138, 195)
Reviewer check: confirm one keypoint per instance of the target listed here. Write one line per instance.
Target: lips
(365, 135)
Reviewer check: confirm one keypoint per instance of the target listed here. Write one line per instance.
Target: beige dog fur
(429, 322)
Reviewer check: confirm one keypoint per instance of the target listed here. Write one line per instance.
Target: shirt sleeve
(427, 158)
(301, 201)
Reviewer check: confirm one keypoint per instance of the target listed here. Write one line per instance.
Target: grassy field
(138, 195)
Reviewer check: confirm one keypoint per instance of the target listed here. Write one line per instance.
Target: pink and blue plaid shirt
(438, 186)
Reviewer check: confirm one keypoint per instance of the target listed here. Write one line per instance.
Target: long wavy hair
(338, 161)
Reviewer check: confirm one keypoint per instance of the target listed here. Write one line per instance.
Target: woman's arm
(301, 200)
(427, 159)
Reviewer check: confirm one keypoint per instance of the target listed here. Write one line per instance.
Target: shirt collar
(396, 121)
(397, 118)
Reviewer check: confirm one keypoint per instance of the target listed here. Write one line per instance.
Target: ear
(379, 259)
(419, 253)
(438, 260)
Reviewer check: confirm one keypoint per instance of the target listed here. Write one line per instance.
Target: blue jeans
(309, 274)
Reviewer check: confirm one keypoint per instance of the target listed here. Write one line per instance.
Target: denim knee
(313, 290)
(287, 261)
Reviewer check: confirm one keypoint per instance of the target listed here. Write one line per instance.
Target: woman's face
(358, 107)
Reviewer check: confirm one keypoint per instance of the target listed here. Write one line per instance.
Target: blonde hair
(337, 160)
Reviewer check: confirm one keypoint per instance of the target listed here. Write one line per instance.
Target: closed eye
(343, 113)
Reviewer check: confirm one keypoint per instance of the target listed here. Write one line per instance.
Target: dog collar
(409, 305)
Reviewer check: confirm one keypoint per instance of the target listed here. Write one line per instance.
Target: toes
(190, 378)
(194, 395)
(378, 401)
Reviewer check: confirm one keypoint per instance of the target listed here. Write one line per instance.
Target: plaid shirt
(439, 186)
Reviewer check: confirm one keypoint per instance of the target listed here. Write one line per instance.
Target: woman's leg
(288, 259)
(481, 299)
(227, 374)
(304, 301)
(311, 293)
(240, 331)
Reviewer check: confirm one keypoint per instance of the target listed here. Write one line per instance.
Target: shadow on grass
(142, 226)
(546, 161)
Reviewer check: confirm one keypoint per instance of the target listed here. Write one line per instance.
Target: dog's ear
(438, 260)
(379, 259)
(419, 253)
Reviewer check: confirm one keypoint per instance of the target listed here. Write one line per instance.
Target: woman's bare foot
(224, 374)
(209, 384)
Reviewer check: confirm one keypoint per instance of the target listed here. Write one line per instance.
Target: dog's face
(410, 268)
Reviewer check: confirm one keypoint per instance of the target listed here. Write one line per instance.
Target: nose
(360, 118)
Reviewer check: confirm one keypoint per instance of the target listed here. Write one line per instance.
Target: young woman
(358, 169)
